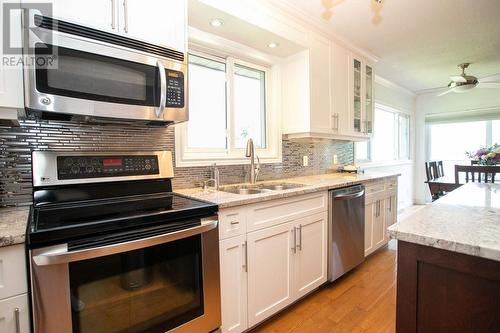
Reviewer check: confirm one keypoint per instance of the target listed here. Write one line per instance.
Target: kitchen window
(391, 139)
(229, 103)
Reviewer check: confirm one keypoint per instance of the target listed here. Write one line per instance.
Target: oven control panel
(175, 89)
(78, 167)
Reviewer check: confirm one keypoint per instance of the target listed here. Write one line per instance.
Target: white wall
(389, 94)
(482, 102)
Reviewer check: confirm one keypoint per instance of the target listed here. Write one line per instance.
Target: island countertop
(466, 220)
(13, 223)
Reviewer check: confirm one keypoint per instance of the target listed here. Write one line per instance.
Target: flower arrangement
(486, 155)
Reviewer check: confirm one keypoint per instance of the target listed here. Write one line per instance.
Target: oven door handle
(163, 89)
(61, 255)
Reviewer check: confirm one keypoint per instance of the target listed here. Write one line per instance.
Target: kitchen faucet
(254, 169)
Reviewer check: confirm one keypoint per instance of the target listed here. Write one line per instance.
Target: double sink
(260, 188)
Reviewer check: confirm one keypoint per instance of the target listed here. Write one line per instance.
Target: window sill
(368, 165)
(224, 161)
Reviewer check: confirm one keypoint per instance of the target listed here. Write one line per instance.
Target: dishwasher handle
(349, 196)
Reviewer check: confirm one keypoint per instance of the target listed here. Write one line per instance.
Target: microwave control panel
(79, 167)
(175, 89)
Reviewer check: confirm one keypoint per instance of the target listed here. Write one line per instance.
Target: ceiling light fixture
(273, 45)
(216, 23)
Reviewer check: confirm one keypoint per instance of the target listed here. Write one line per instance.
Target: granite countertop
(312, 184)
(13, 223)
(466, 220)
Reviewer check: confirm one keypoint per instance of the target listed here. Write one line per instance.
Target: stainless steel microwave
(76, 71)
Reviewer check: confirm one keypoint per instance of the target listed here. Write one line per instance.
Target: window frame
(186, 156)
(397, 142)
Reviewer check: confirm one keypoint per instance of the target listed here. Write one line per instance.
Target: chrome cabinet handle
(294, 248)
(163, 89)
(61, 255)
(245, 265)
(335, 117)
(299, 245)
(125, 14)
(113, 14)
(16, 318)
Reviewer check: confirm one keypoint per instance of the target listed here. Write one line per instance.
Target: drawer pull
(16, 318)
(234, 222)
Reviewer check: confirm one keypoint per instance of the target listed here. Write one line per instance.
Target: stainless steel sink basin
(261, 188)
(280, 187)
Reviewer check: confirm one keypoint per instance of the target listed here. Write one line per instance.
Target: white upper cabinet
(327, 93)
(306, 90)
(98, 14)
(158, 22)
(11, 75)
(362, 79)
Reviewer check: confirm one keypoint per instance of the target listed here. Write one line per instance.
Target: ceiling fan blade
(489, 85)
(445, 92)
(458, 78)
(494, 77)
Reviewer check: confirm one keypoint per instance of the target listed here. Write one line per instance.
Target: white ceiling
(419, 42)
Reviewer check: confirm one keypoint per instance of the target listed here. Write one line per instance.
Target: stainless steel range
(112, 249)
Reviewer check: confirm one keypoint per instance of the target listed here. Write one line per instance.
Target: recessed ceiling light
(216, 23)
(273, 45)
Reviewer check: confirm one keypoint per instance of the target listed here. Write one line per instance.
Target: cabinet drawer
(374, 188)
(14, 311)
(232, 222)
(274, 212)
(13, 279)
(391, 184)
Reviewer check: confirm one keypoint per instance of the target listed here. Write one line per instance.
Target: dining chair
(428, 171)
(434, 166)
(440, 169)
(488, 173)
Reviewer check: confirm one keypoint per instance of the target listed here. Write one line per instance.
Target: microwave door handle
(61, 255)
(163, 89)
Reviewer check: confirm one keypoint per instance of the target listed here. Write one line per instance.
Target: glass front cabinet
(362, 104)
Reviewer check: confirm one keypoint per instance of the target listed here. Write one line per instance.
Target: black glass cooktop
(63, 222)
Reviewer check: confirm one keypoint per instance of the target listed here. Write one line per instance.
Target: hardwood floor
(362, 301)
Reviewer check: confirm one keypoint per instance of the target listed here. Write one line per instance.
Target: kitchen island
(449, 263)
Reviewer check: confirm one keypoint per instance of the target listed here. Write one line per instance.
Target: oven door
(163, 283)
(74, 75)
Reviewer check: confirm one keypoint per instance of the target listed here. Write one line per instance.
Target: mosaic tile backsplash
(17, 143)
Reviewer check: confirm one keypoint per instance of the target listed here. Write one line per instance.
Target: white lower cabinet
(310, 260)
(270, 268)
(265, 270)
(14, 315)
(233, 263)
(380, 213)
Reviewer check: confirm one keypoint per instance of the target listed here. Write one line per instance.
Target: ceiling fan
(463, 82)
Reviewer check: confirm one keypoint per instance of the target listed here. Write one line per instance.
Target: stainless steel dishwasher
(346, 230)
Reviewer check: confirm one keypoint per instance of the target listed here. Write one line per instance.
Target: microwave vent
(79, 30)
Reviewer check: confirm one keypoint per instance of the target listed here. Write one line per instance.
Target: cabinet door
(270, 260)
(340, 89)
(98, 14)
(320, 59)
(158, 22)
(13, 277)
(369, 217)
(11, 75)
(369, 103)
(310, 260)
(356, 95)
(233, 280)
(14, 315)
(390, 214)
(379, 224)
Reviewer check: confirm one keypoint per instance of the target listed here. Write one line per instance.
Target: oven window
(149, 290)
(95, 77)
